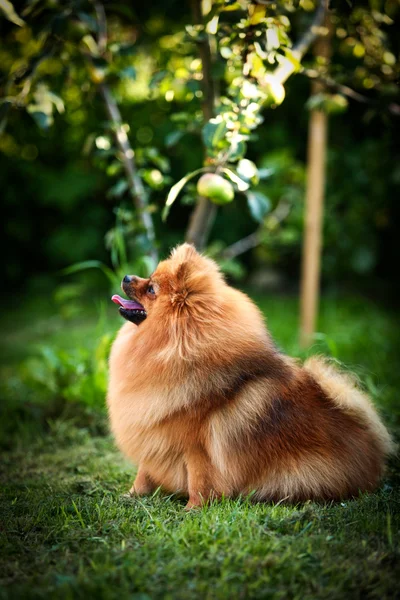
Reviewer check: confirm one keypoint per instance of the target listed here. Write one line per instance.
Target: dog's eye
(150, 290)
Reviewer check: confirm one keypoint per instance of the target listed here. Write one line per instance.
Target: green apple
(216, 188)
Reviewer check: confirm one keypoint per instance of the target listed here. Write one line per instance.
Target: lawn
(68, 531)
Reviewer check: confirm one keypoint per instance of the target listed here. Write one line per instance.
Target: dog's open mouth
(130, 309)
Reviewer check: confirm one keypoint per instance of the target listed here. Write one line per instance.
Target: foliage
(77, 377)
(244, 52)
(55, 383)
(54, 63)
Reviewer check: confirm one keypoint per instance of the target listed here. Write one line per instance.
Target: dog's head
(185, 283)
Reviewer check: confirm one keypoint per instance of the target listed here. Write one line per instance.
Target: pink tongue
(128, 304)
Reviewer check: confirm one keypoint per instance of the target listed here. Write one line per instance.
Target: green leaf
(128, 73)
(157, 78)
(231, 5)
(181, 117)
(42, 110)
(173, 137)
(213, 132)
(57, 101)
(261, 53)
(272, 38)
(248, 171)
(256, 65)
(153, 155)
(196, 33)
(9, 12)
(233, 268)
(212, 25)
(292, 58)
(259, 205)
(42, 120)
(226, 52)
(177, 188)
(91, 44)
(257, 14)
(82, 266)
(118, 190)
(88, 20)
(237, 149)
(241, 185)
(90, 264)
(330, 103)
(265, 172)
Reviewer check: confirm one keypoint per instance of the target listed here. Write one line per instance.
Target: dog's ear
(184, 257)
(180, 289)
(182, 272)
(185, 261)
(194, 275)
(184, 252)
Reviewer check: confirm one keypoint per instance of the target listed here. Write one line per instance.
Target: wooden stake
(312, 245)
(309, 299)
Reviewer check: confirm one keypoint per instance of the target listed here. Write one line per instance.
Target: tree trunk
(136, 188)
(203, 214)
(200, 223)
(312, 245)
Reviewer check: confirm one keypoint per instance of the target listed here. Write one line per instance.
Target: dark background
(56, 198)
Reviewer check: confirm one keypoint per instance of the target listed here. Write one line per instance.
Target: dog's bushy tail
(343, 389)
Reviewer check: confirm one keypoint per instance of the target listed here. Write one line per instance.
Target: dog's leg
(143, 483)
(199, 471)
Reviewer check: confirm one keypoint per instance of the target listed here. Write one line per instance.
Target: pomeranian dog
(201, 400)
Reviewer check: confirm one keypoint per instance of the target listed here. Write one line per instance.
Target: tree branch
(203, 215)
(135, 184)
(136, 188)
(241, 246)
(102, 25)
(287, 68)
(313, 32)
(329, 82)
(254, 239)
(206, 61)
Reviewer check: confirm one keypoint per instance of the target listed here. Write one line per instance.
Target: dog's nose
(127, 279)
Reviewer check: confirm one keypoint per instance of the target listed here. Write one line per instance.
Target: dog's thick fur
(202, 401)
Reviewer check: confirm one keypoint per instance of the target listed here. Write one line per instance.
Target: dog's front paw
(193, 506)
(140, 490)
(196, 501)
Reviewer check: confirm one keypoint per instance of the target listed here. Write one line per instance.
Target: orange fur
(201, 400)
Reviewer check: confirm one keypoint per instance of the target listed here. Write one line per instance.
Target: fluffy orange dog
(202, 401)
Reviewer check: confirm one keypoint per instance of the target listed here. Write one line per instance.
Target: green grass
(68, 531)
